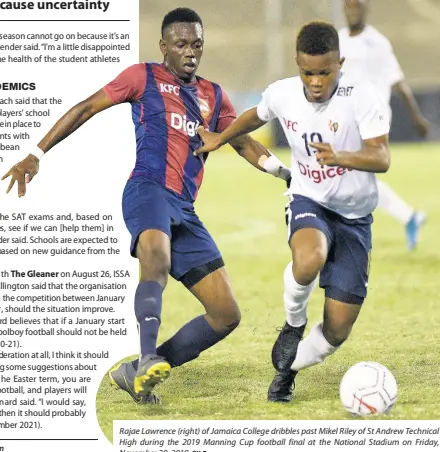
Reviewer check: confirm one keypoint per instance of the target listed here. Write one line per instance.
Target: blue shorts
(345, 273)
(148, 205)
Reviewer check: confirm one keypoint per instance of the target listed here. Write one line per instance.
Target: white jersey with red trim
(354, 113)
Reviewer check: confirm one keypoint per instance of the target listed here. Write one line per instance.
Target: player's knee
(307, 265)
(233, 320)
(230, 320)
(315, 260)
(226, 320)
(155, 262)
(336, 336)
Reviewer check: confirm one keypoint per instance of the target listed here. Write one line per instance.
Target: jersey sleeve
(391, 66)
(265, 108)
(128, 86)
(227, 113)
(371, 114)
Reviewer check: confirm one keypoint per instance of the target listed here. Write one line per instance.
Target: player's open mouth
(189, 65)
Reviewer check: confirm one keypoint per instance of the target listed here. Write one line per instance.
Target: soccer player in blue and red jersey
(169, 102)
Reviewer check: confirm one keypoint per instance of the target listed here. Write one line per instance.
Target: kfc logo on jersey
(292, 125)
(179, 122)
(171, 89)
(204, 108)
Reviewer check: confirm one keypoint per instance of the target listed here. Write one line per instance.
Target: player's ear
(163, 47)
(341, 62)
(296, 59)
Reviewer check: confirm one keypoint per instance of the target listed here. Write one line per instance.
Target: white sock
(393, 204)
(295, 298)
(313, 349)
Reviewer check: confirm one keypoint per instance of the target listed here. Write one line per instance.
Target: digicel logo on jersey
(326, 172)
(179, 122)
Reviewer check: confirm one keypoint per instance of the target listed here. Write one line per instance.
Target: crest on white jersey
(333, 126)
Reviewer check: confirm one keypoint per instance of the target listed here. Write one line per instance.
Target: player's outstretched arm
(420, 123)
(23, 172)
(237, 135)
(374, 157)
(245, 123)
(259, 157)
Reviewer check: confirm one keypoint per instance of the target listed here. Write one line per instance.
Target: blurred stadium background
(251, 43)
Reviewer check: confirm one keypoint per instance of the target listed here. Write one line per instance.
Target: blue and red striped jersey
(166, 113)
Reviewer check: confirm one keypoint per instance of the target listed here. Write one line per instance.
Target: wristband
(38, 153)
(276, 167)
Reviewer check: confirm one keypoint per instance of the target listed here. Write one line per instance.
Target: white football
(368, 388)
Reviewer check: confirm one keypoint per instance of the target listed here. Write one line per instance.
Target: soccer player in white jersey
(369, 54)
(338, 134)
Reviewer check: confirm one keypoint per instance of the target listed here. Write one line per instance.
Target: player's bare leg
(326, 337)
(215, 293)
(339, 318)
(222, 317)
(154, 253)
(139, 377)
(322, 341)
(309, 253)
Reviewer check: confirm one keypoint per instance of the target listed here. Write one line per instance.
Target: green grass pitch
(398, 326)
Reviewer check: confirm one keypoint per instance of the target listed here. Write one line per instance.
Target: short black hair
(317, 38)
(181, 15)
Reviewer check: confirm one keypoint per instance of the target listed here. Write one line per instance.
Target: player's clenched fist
(211, 141)
(22, 172)
(325, 154)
